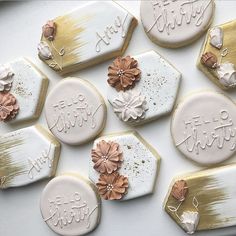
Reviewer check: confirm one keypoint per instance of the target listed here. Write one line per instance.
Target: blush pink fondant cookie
(204, 128)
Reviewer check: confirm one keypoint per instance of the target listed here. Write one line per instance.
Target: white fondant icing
(75, 111)
(176, 23)
(103, 30)
(29, 87)
(227, 74)
(159, 85)
(130, 105)
(140, 164)
(44, 51)
(6, 77)
(216, 37)
(204, 128)
(70, 206)
(27, 155)
(190, 220)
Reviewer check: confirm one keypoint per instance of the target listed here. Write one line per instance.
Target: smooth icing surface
(26, 156)
(175, 23)
(97, 31)
(141, 164)
(204, 127)
(29, 87)
(221, 43)
(70, 206)
(212, 191)
(159, 84)
(75, 111)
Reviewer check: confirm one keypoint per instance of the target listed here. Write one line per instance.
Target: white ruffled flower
(216, 37)
(44, 51)
(130, 105)
(190, 220)
(6, 77)
(227, 74)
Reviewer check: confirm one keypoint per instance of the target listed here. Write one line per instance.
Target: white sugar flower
(190, 220)
(216, 37)
(6, 77)
(44, 51)
(130, 105)
(227, 74)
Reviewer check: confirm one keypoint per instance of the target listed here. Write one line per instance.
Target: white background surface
(20, 30)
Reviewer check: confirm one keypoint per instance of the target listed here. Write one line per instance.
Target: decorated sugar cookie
(86, 36)
(22, 91)
(26, 156)
(176, 23)
(203, 127)
(142, 88)
(70, 206)
(75, 111)
(217, 58)
(203, 200)
(123, 166)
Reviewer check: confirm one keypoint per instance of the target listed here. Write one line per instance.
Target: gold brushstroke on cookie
(66, 47)
(206, 187)
(9, 169)
(229, 31)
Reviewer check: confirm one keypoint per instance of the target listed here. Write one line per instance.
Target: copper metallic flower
(107, 157)
(8, 107)
(209, 60)
(49, 30)
(112, 186)
(179, 190)
(123, 73)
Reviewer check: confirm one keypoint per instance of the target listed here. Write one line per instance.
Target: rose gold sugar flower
(107, 157)
(112, 186)
(179, 190)
(8, 107)
(49, 30)
(123, 73)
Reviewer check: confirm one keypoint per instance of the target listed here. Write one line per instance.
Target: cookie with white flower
(22, 91)
(86, 36)
(142, 88)
(203, 200)
(123, 166)
(217, 59)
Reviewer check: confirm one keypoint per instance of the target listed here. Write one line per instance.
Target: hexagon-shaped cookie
(140, 163)
(26, 156)
(158, 85)
(217, 59)
(29, 87)
(86, 36)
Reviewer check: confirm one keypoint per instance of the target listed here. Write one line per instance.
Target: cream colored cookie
(27, 155)
(75, 111)
(86, 36)
(70, 206)
(178, 23)
(203, 127)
